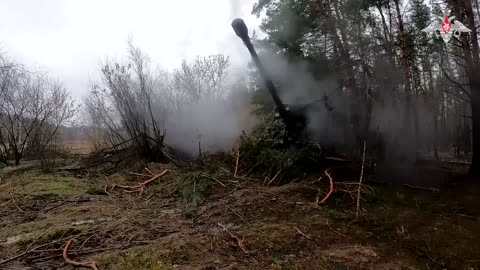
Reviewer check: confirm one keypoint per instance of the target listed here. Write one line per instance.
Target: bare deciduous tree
(121, 107)
(32, 108)
(205, 77)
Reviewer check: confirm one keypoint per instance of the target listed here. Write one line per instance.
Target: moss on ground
(277, 238)
(151, 257)
(63, 219)
(48, 185)
(33, 196)
(47, 235)
(44, 186)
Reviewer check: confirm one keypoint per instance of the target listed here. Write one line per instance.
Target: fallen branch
(106, 192)
(140, 174)
(302, 233)
(32, 250)
(274, 177)
(364, 186)
(214, 179)
(337, 232)
(423, 188)
(337, 159)
(91, 265)
(14, 203)
(27, 252)
(331, 188)
(238, 240)
(236, 163)
(65, 202)
(459, 163)
(141, 186)
(148, 170)
(359, 190)
(84, 252)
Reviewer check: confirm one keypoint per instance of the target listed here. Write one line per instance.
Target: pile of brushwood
(261, 155)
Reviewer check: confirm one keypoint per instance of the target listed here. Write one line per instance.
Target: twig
(302, 233)
(36, 239)
(86, 240)
(142, 185)
(331, 188)
(238, 240)
(355, 184)
(337, 232)
(91, 265)
(319, 148)
(472, 261)
(214, 179)
(236, 163)
(84, 252)
(27, 252)
(105, 189)
(149, 171)
(140, 174)
(359, 190)
(423, 188)
(64, 202)
(235, 213)
(43, 245)
(275, 177)
(15, 203)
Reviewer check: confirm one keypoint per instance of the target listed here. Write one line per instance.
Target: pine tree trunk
(435, 112)
(410, 121)
(435, 138)
(472, 59)
(475, 103)
(345, 63)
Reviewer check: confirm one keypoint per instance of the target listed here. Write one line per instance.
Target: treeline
(405, 88)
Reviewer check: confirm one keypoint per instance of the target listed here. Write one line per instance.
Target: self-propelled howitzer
(294, 120)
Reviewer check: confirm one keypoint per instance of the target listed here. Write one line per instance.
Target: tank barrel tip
(240, 28)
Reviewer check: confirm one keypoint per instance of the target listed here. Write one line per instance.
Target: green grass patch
(54, 185)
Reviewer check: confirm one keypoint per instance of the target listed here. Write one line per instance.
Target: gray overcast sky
(68, 38)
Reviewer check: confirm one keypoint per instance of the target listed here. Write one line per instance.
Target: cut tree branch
(141, 186)
(91, 265)
(330, 191)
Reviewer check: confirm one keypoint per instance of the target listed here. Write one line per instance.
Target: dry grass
(78, 147)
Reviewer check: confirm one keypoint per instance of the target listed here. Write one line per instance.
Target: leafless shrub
(121, 108)
(32, 108)
(132, 105)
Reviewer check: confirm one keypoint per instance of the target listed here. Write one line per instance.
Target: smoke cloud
(213, 124)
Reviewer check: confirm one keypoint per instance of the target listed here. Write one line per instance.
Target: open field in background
(198, 220)
(78, 147)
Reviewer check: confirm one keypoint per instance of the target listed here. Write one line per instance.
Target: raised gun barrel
(294, 123)
(242, 31)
